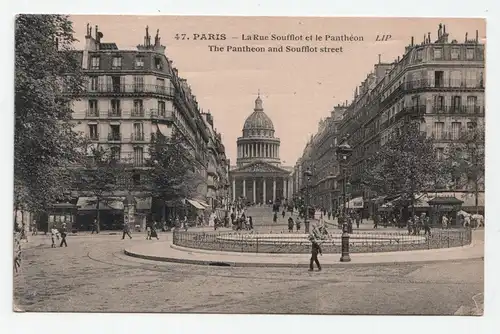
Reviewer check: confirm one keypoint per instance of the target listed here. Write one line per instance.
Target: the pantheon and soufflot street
(93, 274)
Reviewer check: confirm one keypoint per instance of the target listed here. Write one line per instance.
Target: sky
(297, 88)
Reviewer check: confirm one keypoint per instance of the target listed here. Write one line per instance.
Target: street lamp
(308, 175)
(343, 153)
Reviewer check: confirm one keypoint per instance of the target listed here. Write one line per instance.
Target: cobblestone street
(93, 274)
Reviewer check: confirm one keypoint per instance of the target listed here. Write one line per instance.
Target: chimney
(412, 39)
(444, 29)
(379, 58)
(428, 37)
(477, 36)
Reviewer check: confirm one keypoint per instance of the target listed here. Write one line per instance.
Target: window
(438, 130)
(114, 133)
(138, 131)
(139, 62)
(440, 153)
(455, 53)
(117, 63)
(472, 104)
(471, 79)
(94, 83)
(93, 131)
(93, 110)
(95, 63)
(115, 108)
(116, 80)
(439, 104)
(138, 156)
(419, 55)
(456, 128)
(158, 63)
(115, 153)
(136, 179)
(139, 83)
(456, 79)
(160, 85)
(438, 54)
(138, 111)
(438, 79)
(456, 104)
(161, 108)
(470, 54)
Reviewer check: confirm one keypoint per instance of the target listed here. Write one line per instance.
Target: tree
(100, 177)
(172, 170)
(45, 144)
(464, 160)
(406, 165)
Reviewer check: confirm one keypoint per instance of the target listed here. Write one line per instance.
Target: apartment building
(441, 81)
(131, 95)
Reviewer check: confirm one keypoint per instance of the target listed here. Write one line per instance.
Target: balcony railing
(132, 88)
(162, 114)
(137, 112)
(115, 113)
(114, 137)
(458, 110)
(91, 113)
(137, 136)
(94, 137)
(446, 135)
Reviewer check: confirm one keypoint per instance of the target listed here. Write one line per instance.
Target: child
(54, 235)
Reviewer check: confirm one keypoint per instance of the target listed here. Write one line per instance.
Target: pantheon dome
(258, 142)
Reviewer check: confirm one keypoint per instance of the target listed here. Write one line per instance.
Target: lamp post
(308, 175)
(343, 153)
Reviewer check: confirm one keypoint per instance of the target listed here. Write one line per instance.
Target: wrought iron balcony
(137, 112)
(114, 137)
(132, 88)
(115, 113)
(91, 113)
(138, 136)
(162, 114)
(458, 110)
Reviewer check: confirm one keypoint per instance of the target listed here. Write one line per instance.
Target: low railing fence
(297, 243)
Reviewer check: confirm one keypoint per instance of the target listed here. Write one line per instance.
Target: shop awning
(109, 203)
(356, 203)
(196, 204)
(448, 200)
(205, 204)
(143, 203)
(378, 200)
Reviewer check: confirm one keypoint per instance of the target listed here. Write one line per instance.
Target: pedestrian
(53, 237)
(444, 222)
(290, 224)
(284, 212)
(315, 249)
(185, 223)
(297, 224)
(425, 220)
(275, 217)
(329, 215)
(250, 222)
(126, 230)
(154, 231)
(62, 231)
(34, 228)
(148, 231)
(358, 220)
(376, 219)
(94, 226)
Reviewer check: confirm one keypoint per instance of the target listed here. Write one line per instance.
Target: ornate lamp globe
(344, 150)
(308, 172)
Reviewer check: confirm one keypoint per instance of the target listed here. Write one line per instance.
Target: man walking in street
(315, 249)
(126, 229)
(62, 231)
(94, 227)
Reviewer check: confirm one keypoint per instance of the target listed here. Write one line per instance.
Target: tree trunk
(98, 227)
(477, 196)
(15, 219)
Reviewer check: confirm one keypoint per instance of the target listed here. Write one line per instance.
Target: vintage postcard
(271, 165)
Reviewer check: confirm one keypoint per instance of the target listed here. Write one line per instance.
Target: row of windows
(116, 62)
(115, 107)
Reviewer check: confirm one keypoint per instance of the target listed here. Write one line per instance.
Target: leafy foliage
(172, 173)
(101, 176)
(44, 141)
(406, 165)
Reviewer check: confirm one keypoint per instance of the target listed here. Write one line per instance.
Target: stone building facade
(442, 81)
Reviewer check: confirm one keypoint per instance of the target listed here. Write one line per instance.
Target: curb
(283, 265)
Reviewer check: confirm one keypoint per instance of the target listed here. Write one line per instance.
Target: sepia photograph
(249, 165)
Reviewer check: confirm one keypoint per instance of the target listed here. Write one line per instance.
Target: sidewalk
(167, 252)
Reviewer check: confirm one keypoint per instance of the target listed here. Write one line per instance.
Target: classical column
(254, 190)
(274, 190)
(284, 187)
(264, 191)
(234, 189)
(244, 188)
